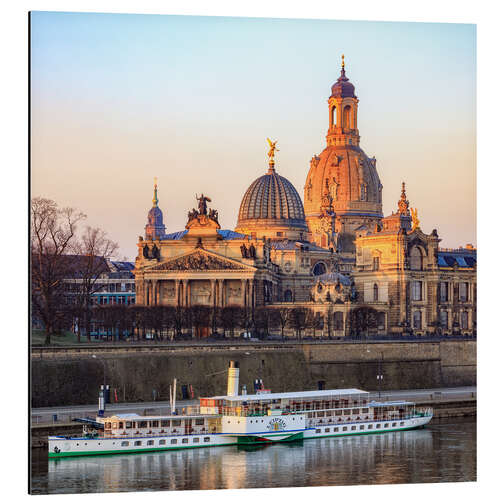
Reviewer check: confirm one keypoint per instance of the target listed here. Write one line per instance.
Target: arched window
(346, 122)
(334, 116)
(319, 269)
(375, 292)
(416, 259)
(288, 296)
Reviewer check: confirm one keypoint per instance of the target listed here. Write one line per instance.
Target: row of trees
(170, 322)
(60, 253)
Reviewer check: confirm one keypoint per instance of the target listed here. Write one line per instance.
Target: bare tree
(314, 321)
(92, 251)
(298, 320)
(52, 233)
(282, 318)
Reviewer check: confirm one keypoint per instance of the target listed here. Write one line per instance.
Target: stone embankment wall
(63, 377)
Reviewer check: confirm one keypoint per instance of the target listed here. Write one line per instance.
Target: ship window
(338, 412)
(327, 430)
(355, 412)
(165, 423)
(378, 426)
(128, 425)
(196, 440)
(199, 421)
(361, 427)
(386, 425)
(344, 428)
(176, 423)
(185, 440)
(364, 410)
(151, 442)
(318, 431)
(394, 424)
(206, 440)
(401, 423)
(120, 425)
(161, 441)
(347, 412)
(353, 428)
(143, 424)
(320, 414)
(138, 443)
(124, 443)
(114, 425)
(107, 425)
(336, 429)
(173, 441)
(370, 426)
(155, 423)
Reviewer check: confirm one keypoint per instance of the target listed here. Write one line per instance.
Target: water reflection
(442, 452)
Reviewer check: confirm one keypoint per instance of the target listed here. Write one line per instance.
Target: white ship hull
(60, 446)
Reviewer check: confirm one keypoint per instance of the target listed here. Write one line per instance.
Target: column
(244, 291)
(252, 294)
(212, 291)
(177, 293)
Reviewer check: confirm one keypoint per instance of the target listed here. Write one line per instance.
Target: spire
(342, 71)
(155, 197)
(403, 202)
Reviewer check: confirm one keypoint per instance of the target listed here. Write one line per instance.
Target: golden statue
(272, 146)
(414, 218)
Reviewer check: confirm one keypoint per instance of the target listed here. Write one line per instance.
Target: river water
(443, 451)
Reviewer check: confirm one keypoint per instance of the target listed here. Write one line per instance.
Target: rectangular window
(376, 263)
(151, 442)
(338, 412)
(173, 441)
(353, 428)
(355, 412)
(199, 421)
(206, 440)
(394, 424)
(165, 423)
(378, 426)
(137, 443)
(464, 318)
(364, 410)
(196, 440)
(443, 319)
(463, 291)
(143, 424)
(161, 442)
(327, 430)
(176, 423)
(128, 425)
(318, 431)
(344, 429)
(336, 429)
(320, 414)
(443, 291)
(370, 426)
(155, 423)
(125, 443)
(386, 425)
(417, 320)
(416, 290)
(347, 412)
(185, 440)
(361, 427)
(401, 424)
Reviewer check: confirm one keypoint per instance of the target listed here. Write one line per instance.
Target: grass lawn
(64, 338)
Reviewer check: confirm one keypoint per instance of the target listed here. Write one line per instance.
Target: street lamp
(380, 377)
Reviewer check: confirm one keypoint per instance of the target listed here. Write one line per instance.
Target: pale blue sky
(119, 99)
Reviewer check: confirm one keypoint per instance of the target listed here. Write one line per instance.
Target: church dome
(271, 202)
(343, 87)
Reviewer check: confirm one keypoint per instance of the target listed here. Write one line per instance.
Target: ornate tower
(155, 229)
(343, 173)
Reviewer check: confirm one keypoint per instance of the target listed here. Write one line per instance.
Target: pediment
(201, 260)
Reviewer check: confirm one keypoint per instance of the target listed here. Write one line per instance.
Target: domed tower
(271, 207)
(342, 173)
(155, 229)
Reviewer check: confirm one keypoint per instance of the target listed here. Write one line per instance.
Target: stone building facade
(335, 255)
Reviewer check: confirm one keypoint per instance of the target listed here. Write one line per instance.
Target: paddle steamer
(247, 419)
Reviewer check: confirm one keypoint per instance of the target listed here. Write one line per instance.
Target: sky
(117, 100)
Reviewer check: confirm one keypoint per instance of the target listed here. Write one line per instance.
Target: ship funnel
(233, 378)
